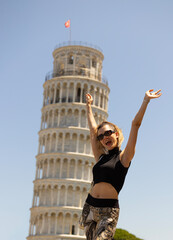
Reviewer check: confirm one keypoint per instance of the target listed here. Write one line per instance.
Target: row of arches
(59, 195)
(75, 92)
(64, 142)
(62, 168)
(65, 117)
(55, 223)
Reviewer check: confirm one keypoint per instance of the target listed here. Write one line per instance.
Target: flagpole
(70, 31)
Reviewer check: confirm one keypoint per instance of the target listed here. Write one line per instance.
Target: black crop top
(110, 169)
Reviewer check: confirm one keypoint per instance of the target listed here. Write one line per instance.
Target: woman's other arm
(129, 151)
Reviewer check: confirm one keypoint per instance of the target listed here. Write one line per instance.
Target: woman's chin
(110, 147)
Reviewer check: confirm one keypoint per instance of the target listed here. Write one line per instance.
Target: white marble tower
(64, 160)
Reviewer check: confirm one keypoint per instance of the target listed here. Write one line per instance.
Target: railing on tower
(83, 72)
(78, 43)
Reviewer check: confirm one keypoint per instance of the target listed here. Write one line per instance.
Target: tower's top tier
(78, 59)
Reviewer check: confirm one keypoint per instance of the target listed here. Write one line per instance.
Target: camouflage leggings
(99, 222)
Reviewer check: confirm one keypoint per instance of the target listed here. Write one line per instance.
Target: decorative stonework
(64, 161)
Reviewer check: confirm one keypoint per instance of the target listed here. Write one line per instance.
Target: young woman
(101, 209)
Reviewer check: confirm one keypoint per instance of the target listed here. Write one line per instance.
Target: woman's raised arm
(97, 151)
(129, 151)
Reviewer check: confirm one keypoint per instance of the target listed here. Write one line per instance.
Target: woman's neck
(113, 151)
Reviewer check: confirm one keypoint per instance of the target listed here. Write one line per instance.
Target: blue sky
(137, 41)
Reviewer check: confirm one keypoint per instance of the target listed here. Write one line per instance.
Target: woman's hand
(150, 94)
(89, 99)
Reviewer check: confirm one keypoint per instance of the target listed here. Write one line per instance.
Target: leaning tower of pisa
(64, 161)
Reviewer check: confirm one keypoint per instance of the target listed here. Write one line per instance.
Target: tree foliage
(121, 234)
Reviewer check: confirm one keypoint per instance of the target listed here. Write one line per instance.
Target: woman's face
(108, 142)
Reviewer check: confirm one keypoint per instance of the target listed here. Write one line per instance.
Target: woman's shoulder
(122, 161)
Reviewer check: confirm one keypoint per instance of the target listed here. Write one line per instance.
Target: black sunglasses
(106, 133)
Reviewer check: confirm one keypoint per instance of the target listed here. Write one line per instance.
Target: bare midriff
(104, 190)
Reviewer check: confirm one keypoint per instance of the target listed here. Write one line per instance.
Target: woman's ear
(117, 135)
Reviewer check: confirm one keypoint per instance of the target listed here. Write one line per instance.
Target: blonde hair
(115, 128)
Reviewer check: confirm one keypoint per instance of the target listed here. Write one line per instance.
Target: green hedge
(121, 234)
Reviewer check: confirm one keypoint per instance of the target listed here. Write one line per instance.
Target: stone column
(80, 201)
(36, 172)
(41, 121)
(60, 173)
(79, 121)
(39, 195)
(74, 92)
(65, 201)
(54, 165)
(99, 98)
(53, 118)
(56, 223)
(49, 223)
(71, 222)
(94, 98)
(60, 93)
(37, 226)
(50, 145)
(106, 104)
(54, 98)
(44, 200)
(45, 99)
(63, 139)
(85, 145)
(43, 225)
(68, 168)
(30, 226)
(77, 145)
(73, 197)
(77, 230)
(67, 93)
(56, 144)
(63, 224)
(39, 146)
(58, 197)
(81, 94)
(83, 165)
(46, 146)
(89, 171)
(59, 116)
(51, 195)
(33, 200)
(48, 120)
(48, 165)
(31, 229)
(75, 170)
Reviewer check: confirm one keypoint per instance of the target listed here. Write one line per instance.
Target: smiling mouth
(108, 142)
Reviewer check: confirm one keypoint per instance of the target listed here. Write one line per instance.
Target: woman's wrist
(88, 104)
(146, 99)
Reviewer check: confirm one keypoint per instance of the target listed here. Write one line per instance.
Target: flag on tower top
(67, 24)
